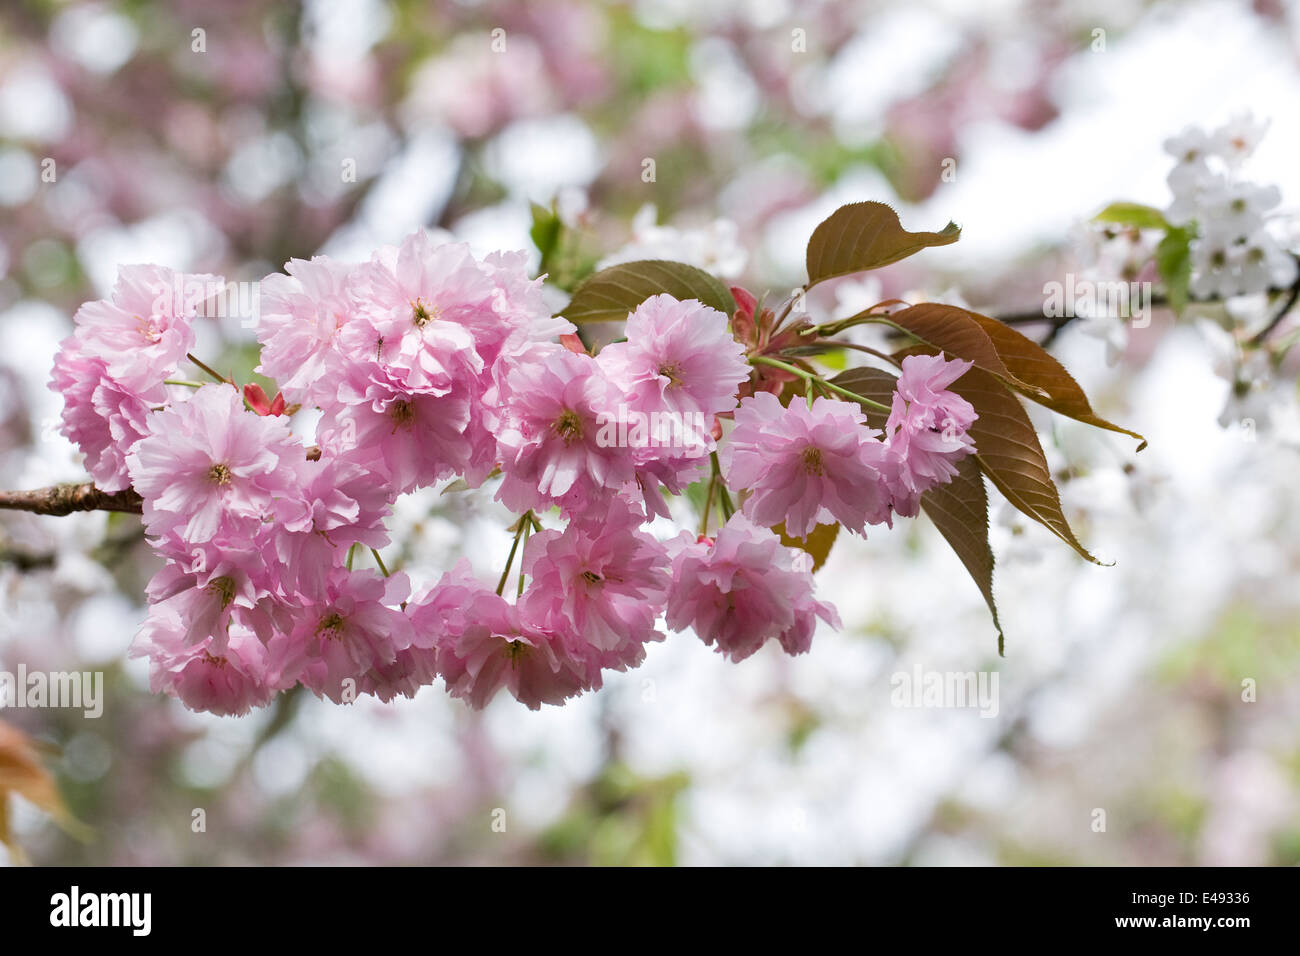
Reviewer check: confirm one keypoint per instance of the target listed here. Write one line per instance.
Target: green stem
(380, 561)
(708, 504)
(181, 381)
(352, 553)
(519, 592)
(816, 380)
(525, 521)
(724, 496)
(209, 370)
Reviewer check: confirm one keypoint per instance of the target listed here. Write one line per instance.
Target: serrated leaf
(1053, 386)
(1174, 263)
(610, 294)
(1133, 214)
(1006, 444)
(957, 333)
(866, 235)
(960, 510)
(1008, 451)
(818, 543)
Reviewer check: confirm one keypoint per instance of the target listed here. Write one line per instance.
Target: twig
(1292, 295)
(65, 499)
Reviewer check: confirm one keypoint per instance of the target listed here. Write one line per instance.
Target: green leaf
(609, 295)
(1000, 350)
(955, 332)
(1133, 214)
(545, 232)
(1008, 451)
(1052, 386)
(1006, 443)
(866, 235)
(818, 543)
(960, 510)
(1174, 263)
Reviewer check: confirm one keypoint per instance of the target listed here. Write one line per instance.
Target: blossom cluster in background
(1234, 253)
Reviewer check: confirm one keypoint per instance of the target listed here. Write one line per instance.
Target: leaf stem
(816, 380)
(708, 503)
(206, 368)
(519, 591)
(525, 521)
(724, 496)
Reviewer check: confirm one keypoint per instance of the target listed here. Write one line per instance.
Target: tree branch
(1292, 295)
(65, 499)
(59, 500)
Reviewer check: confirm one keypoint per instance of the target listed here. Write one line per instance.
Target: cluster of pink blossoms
(427, 363)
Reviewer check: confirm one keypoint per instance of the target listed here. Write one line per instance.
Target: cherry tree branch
(62, 500)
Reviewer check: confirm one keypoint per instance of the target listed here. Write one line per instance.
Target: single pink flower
(411, 439)
(210, 467)
(226, 681)
(432, 316)
(300, 315)
(927, 429)
(678, 357)
(806, 466)
(214, 589)
(547, 423)
(143, 331)
(101, 417)
(334, 504)
(341, 632)
(743, 589)
(483, 645)
(604, 583)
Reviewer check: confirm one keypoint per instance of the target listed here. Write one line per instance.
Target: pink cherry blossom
(807, 465)
(927, 428)
(101, 417)
(411, 439)
(548, 428)
(228, 681)
(300, 315)
(602, 583)
(210, 592)
(483, 645)
(143, 331)
(335, 503)
(679, 357)
(209, 467)
(341, 632)
(743, 589)
(432, 315)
